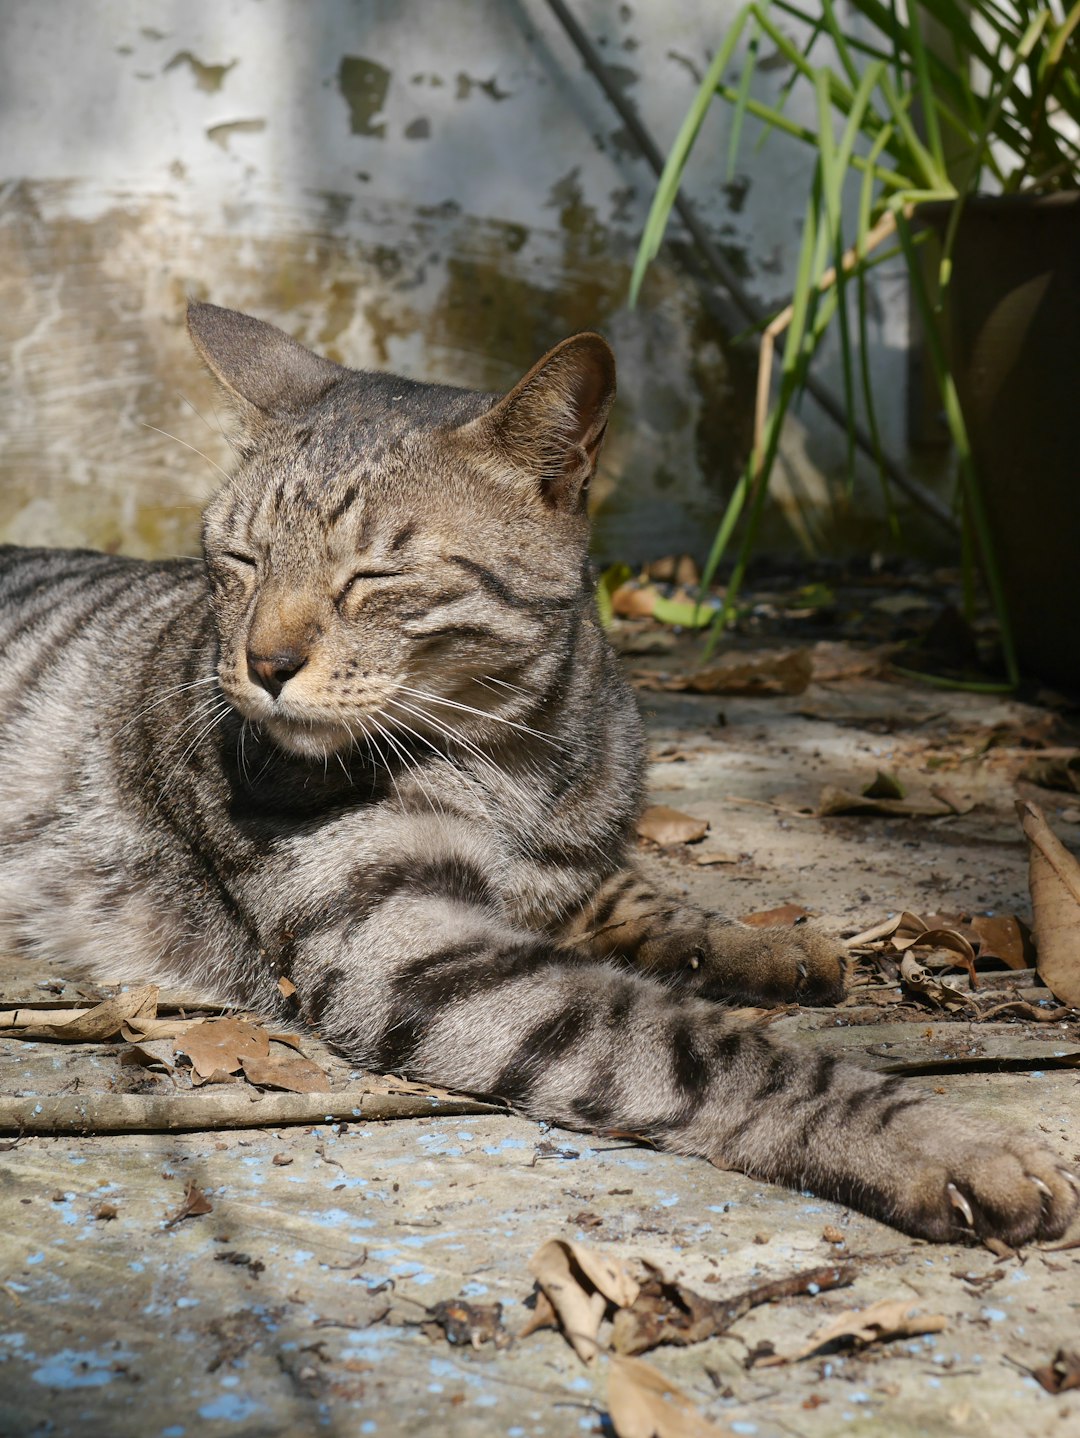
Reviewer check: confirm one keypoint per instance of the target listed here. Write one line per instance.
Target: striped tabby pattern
(377, 744)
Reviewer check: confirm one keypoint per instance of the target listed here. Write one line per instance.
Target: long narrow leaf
(671, 177)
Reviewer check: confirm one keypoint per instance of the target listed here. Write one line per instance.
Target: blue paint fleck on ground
(230, 1406)
(72, 1369)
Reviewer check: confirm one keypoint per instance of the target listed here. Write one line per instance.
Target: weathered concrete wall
(437, 189)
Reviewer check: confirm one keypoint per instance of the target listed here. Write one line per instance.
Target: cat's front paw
(994, 1185)
(775, 964)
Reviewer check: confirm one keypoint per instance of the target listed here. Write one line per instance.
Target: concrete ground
(298, 1303)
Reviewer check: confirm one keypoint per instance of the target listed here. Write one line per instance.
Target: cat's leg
(442, 988)
(633, 920)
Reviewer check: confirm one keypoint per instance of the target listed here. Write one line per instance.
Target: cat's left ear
(265, 371)
(551, 425)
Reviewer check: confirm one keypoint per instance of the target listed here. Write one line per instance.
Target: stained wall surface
(437, 189)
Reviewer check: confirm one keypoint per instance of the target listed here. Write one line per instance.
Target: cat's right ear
(265, 372)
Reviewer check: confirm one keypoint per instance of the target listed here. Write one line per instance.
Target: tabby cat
(377, 744)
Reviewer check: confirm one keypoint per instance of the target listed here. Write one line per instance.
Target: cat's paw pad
(1014, 1190)
(786, 962)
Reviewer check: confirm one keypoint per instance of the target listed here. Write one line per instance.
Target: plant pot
(1013, 342)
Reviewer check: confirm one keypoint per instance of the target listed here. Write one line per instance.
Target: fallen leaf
(883, 786)
(1054, 881)
(835, 800)
(836, 659)
(195, 1204)
(468, 1325)
(634, 601)
(678, 569)
(287, 987)
(1062, 771)
(643, 1404)
(579, 1284)
(1003, 937)
(891, 1318)
(290, 1071)
(104, 1211)
(1061, 1373)
(751, 674)
(85, 1026)
(785, 914)
(948, 795)
(920, 981)
(684, 613)
(219, 1045)
(667, 827)
(612, 579)
(716, 856)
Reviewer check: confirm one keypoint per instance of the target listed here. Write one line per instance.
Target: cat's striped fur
(378, 745)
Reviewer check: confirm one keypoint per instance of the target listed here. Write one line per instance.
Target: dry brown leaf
(836, 659)
(1054, 881)
(633, 600)
(716, 856)
(287, 987)
(752, 674)
(1002, 937)
(468, 1324)
(884, 785)
(891, 1318)
(643, 1404)
(285, 1070)
(579, 1284)
(218, 1045)
(1061, 1373)
(667, 827)
(785, 914)
(921, 981)
(1062, 771)
(195, 1204)
(948, 795)
(835, 800)
(85, 1026)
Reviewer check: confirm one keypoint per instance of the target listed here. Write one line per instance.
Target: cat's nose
(272, 672)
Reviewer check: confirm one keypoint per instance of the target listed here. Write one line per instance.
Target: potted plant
(972, 140)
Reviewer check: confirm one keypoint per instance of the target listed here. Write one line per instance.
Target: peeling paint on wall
(441, 197)
(363, 84)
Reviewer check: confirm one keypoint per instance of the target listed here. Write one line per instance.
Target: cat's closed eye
(362, 575)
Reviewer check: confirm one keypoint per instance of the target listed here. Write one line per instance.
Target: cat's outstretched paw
(997, 1185)
(777, 964)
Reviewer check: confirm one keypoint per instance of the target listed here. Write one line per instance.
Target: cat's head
(393, 557)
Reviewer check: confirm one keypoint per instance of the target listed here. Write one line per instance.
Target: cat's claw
(958, 1201)
(1042, 1187)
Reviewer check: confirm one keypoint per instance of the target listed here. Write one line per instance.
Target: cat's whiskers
(411, 766)
(164, 698)
(480, 713)
(241, 750)
(500, 776)
(488, 679)
(220, 429)
(194, 448)
(224, 708)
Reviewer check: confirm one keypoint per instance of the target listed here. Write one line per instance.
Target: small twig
(234, 1106)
